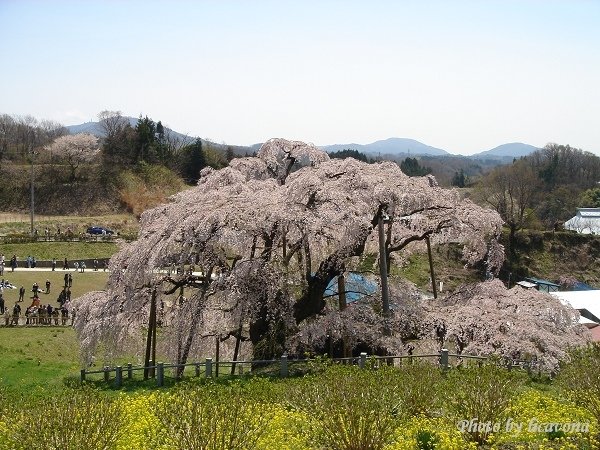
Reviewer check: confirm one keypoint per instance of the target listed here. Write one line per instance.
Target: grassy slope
(448, 267)
(59, 250)
(20, 223)
(544, 255)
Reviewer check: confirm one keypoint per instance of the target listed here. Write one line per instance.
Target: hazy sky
(464, 76)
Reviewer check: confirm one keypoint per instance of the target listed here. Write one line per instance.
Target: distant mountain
(96, 129)
(391, 146)
(512, 150)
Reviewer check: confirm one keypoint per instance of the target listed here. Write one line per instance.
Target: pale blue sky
(464, 76)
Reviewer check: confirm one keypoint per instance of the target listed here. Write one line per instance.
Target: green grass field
(42, 356)
(37, 357)
(82, 283)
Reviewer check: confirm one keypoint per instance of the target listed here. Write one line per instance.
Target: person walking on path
(13, 262)
(66, 264)
(22, 294)
(47, 286)
(53, 264)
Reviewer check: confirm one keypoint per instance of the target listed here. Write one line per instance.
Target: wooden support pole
(153, 311)
(236, 351)
(118, 377)
(444, 361)
(208, 368)
(385, 293)
(160, 377)
(363, 360)
(342, 292)
(217, 345)
(433, 286)
(151, 334)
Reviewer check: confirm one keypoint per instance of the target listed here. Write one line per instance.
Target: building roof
(588, 212)
(586, 302)
(539, 281)
(587, 221)
(526, 284)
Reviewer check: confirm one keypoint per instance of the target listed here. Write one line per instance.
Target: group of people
(13, 263)
(31, 263)
(37, 313)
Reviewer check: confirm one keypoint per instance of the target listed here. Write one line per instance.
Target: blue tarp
(581, 286)
(357, 287)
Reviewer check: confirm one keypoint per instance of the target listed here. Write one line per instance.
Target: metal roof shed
(544, 285)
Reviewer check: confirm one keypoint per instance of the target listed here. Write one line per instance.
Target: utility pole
(32, 154)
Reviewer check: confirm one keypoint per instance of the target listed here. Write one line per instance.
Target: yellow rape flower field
(415, 407)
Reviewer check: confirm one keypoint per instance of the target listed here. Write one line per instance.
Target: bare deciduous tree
(510, 190)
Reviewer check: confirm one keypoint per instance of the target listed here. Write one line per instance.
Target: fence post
(106, 373)
(283, 369)
(208, 367)
(197, 366)
(129, 371)
(118, 376)
(444, 358)
(160, 374)
(82, 375)
(362, 361)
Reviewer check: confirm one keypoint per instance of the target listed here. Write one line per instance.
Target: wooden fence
(210, 368)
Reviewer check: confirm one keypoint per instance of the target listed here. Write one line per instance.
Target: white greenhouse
(587, 221)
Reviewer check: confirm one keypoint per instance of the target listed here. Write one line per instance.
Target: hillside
(96, 129)
(547, 255)
(512, 150)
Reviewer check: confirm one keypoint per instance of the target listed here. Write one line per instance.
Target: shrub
(480, 394)
(580, 378)
(78, 419)
(147, 187)
(209, 417)
(358, 408)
